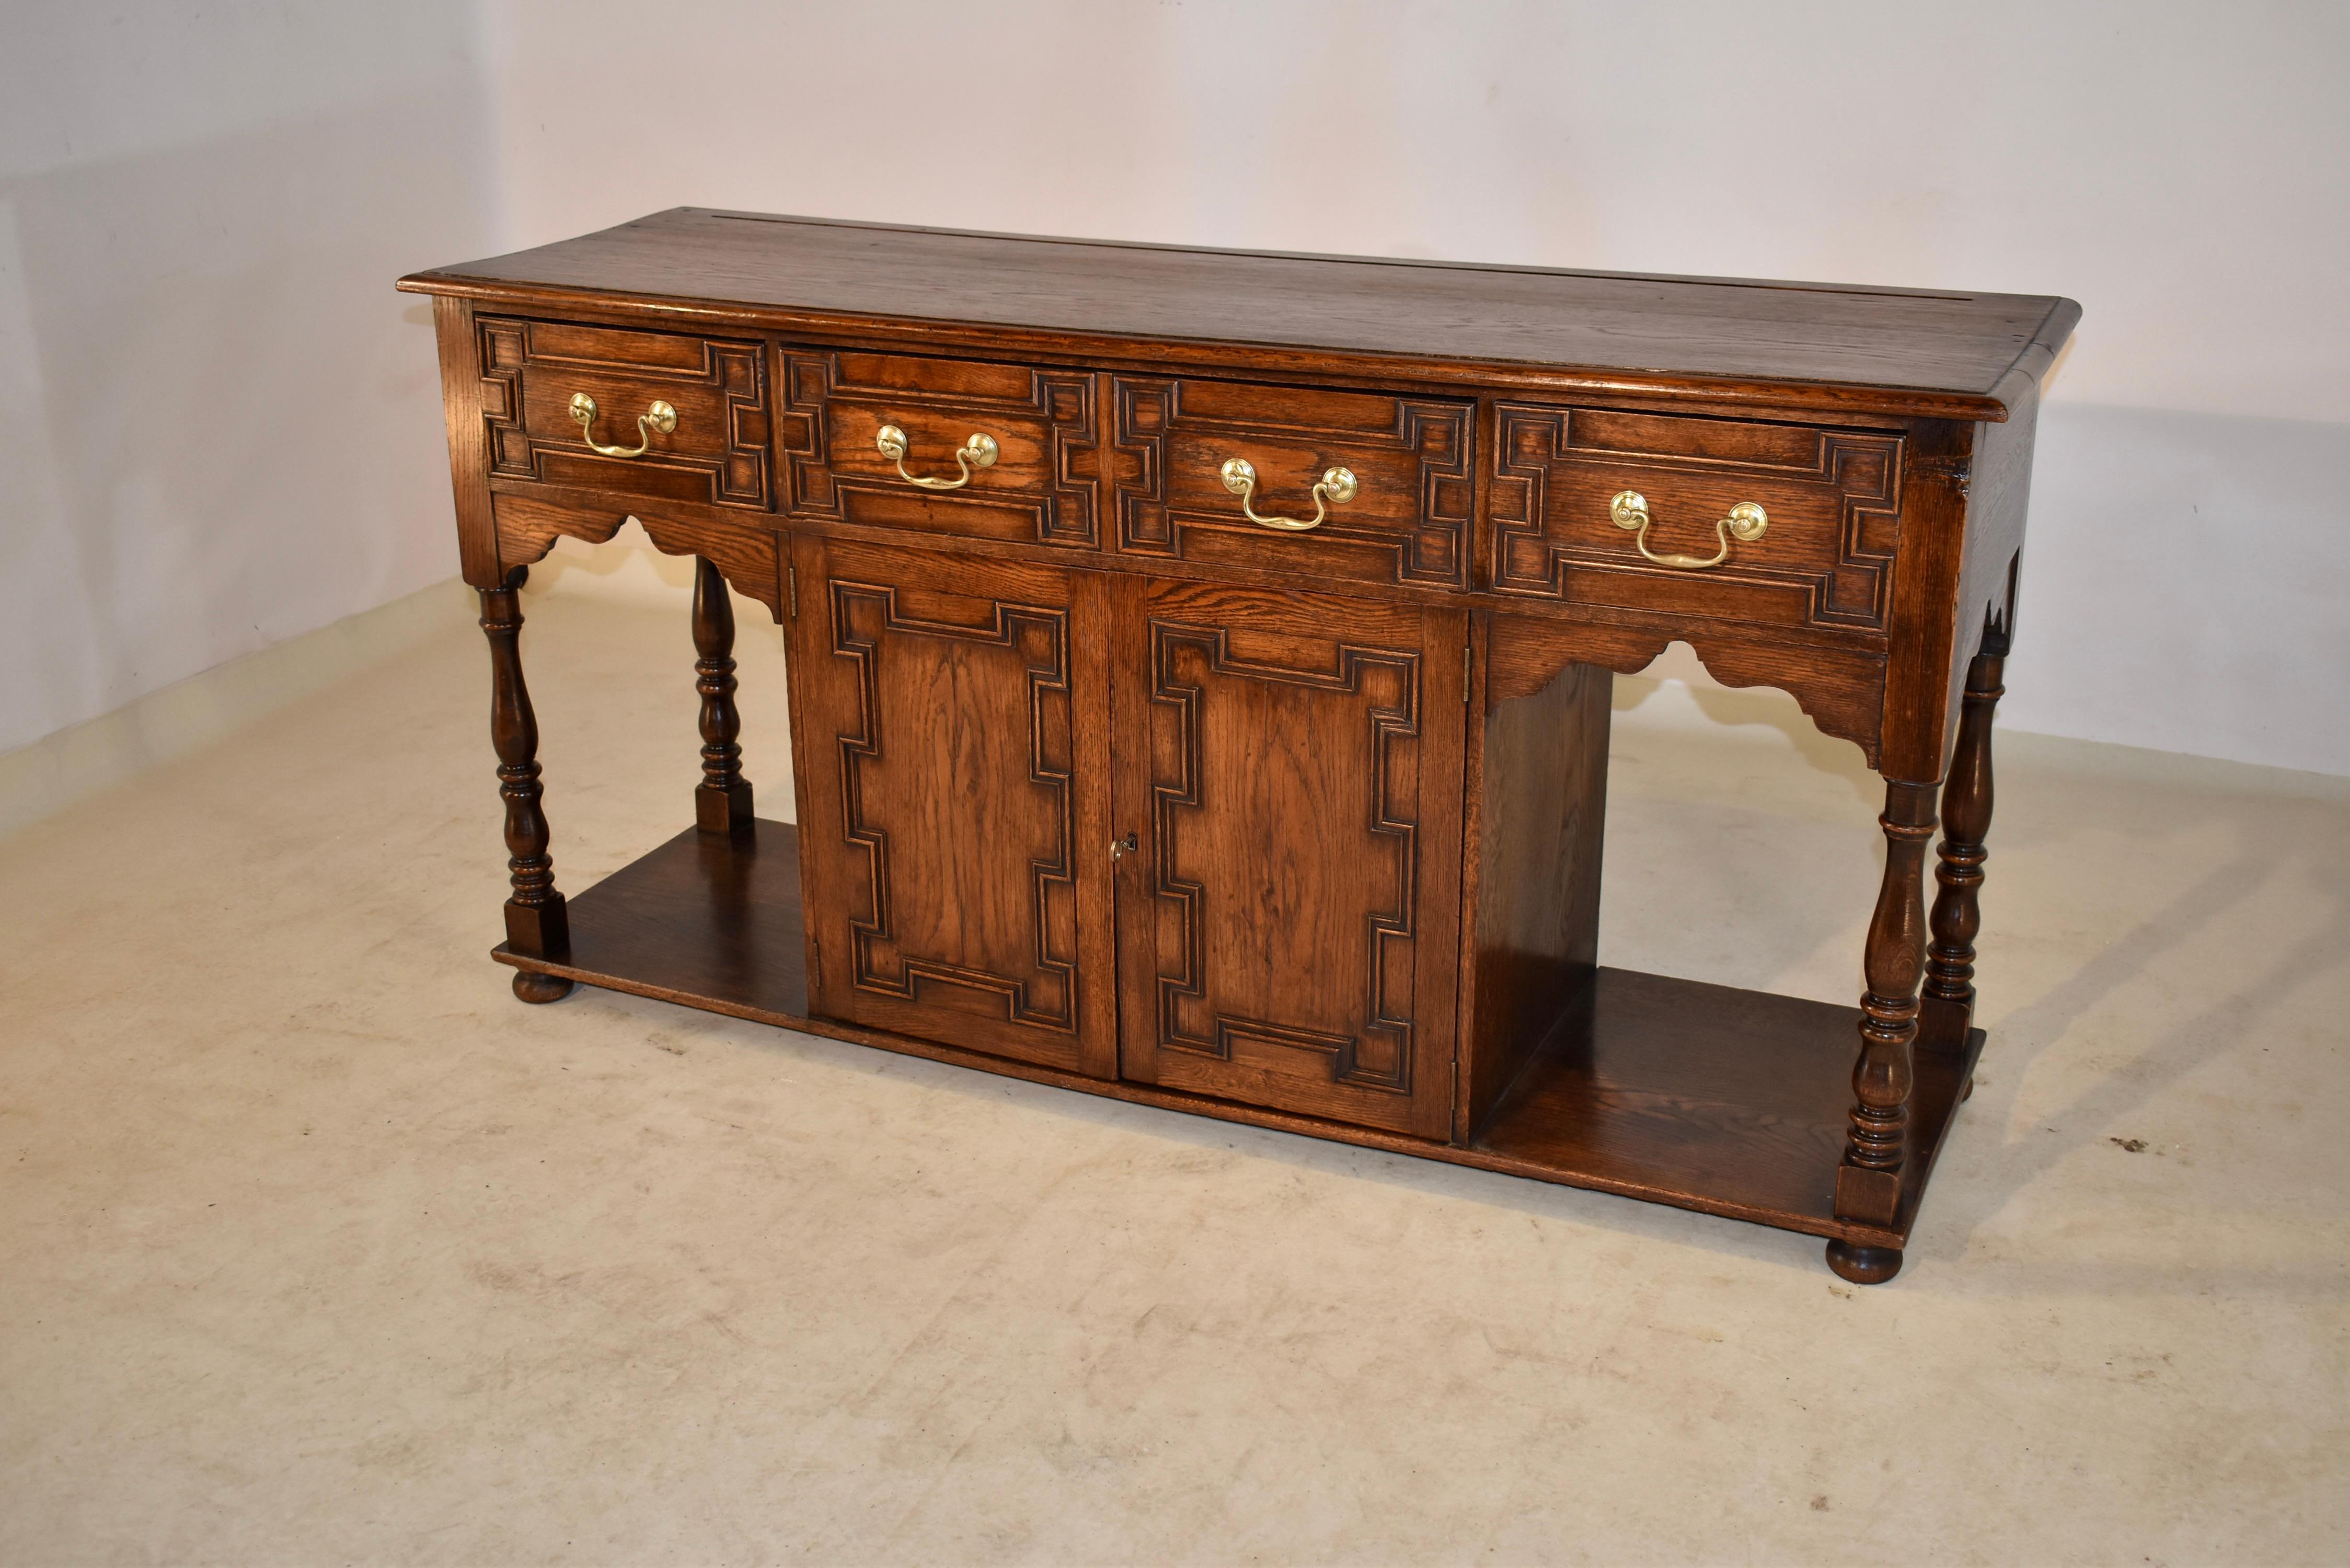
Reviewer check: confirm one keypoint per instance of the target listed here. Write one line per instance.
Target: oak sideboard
(1199, 666)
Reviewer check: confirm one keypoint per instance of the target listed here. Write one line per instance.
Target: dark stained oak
(1102, 782)
(1407, 524)
(1841, 689)
(525, 526)
(1040, 490)
(1289, 914)
(1869, 1183)
(1538, 796)
(1826, 558)
(952, 730)
(461, 399)
(721, 802)
(702, 918)
(535, 922)
(1864, 1265)
(1945, 354)
(1675, 1090)
(1708, 1097)
(1956, 919)
(717, 454)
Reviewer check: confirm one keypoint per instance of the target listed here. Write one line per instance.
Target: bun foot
(1969, 1091)
(554, 988)
(1864, 1265)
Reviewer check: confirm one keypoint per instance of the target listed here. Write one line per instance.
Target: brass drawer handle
(978, 450)
(1337, 484)
(1745, 524)
(659, 417)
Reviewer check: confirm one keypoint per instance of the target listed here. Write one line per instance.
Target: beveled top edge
(1903, 353)
(1338, 257)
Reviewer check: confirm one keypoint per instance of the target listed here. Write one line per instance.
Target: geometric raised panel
(951, 818)
(888, 801)
(1372, 690)
(1296, 786)
(1833, 499)
(1039, 489)
(1408, 520)
(716, 454)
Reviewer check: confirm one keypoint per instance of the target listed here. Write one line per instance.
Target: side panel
(1538, 796)
(469, 461)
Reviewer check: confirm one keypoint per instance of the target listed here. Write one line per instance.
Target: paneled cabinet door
(1289, 765)
(954, 829)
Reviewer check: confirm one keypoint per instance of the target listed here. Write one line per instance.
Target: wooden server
(1199, 668)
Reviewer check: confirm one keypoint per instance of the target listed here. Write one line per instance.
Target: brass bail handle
(659, 417)
(1745, 523)
(978, 450)
(1337, 486)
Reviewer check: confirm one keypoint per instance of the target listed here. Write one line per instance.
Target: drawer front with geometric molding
(1735, 519)
(962, 447)
(1342, 486)
(662, 415)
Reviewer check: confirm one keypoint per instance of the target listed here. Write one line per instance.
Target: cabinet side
(1996, 507)
(1541, 791)
(469, 459)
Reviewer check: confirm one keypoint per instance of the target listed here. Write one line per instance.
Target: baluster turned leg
(1948, 1003)
(1868, 1183)
(721, 804)
(535, 922)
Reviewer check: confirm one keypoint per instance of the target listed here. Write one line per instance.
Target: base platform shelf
(1708, 1097)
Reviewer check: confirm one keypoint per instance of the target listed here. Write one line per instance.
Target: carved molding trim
(1841, 691)
(732, 376)
(1042, 635)
(1389, 934)
(1534, 551)
(1433, 548)
(1061, 510)
(747, 555)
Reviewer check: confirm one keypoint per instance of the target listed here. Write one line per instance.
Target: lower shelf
(1704, 1096)
(1731, 1101)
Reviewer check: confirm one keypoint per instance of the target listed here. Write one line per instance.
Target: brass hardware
(1337, 484)
(659, 417)
(1126, 845)
(1745, 523)
(978, 450)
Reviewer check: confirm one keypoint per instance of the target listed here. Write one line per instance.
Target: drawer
(713, 451)
(1406, 521)
(1032, 429)
(1830, 498)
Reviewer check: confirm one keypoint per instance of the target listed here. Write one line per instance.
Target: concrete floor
(317, 1246)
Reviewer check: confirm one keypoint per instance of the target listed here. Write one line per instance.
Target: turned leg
(1949, 1004)
(722, 802)
(535, 922)
(1868, 1183)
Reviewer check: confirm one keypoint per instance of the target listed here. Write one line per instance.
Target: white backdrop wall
(2183, 169)
(217, 427)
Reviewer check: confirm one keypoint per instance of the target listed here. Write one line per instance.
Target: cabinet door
(954, 832)
(1289, 766)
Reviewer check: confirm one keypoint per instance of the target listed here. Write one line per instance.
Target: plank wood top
(1894, 351)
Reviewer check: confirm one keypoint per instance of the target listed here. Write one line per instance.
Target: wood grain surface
(1290, 767)
(953, 728)
(1104, 783)
(1702, 1096)
(1949, 352)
